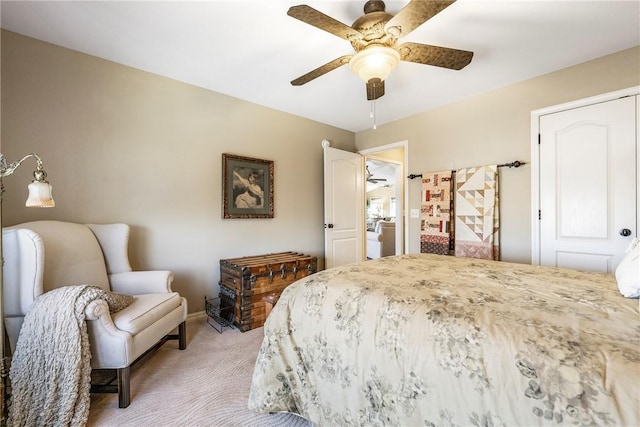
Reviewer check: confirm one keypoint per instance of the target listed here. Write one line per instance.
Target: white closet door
(588, 185)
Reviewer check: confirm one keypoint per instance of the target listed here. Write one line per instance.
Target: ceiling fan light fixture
(374, 62)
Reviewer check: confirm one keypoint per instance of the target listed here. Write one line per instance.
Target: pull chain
(373, 113)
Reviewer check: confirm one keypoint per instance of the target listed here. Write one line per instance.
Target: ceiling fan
(374, 36)
(371, 179)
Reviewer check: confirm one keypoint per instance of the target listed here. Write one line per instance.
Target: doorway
(382, 207)
(386, 200)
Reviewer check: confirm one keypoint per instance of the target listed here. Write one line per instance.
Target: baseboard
(196, 314)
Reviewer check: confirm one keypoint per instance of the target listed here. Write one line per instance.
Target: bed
(431, 340)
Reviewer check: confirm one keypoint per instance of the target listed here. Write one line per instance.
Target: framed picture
(247, 187)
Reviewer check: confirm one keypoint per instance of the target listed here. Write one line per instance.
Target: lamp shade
(374, 62)
(40, 195)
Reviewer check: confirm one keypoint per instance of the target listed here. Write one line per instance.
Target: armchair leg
(124, 387)
(182, 335)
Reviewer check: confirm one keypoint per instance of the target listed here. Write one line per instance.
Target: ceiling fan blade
(318, 19)
(370, 177)
(445, 57)
(375, 89)
(323, 69)
(414, 14)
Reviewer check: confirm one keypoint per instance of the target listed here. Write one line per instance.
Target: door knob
(625, 232)
(328, 226)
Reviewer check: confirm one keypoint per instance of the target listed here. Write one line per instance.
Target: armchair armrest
(95, 309)
(109, 345)
(142, 282)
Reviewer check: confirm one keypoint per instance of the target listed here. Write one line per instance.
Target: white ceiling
(252, 50)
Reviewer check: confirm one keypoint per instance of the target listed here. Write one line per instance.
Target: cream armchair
(44, 255)
(382, 241)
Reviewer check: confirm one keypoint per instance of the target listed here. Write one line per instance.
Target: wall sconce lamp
(39, 190)
(39, 197)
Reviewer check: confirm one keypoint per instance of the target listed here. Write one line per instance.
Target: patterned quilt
(432, 340)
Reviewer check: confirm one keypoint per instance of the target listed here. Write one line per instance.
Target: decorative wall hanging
(477, 217)
(436, 207)
(247, 187)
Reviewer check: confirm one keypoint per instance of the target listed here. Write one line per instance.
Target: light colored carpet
(205, 385)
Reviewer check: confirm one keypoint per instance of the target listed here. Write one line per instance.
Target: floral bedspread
(432, 340)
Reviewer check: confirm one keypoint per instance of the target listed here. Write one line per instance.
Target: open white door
(343, 206)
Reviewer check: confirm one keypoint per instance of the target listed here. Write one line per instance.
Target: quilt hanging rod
(514, 164)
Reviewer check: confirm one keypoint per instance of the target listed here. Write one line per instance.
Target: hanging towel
(436, 227)
(477, 221)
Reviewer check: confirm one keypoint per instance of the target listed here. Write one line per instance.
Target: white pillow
(628, 271)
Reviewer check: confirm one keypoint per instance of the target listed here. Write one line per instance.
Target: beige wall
(495, 128)
(123, 145)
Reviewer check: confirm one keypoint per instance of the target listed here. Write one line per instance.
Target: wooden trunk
(245, 281)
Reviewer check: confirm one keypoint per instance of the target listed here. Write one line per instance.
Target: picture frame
(247, 187)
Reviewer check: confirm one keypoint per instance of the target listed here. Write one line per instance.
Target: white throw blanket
(51, 368)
